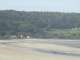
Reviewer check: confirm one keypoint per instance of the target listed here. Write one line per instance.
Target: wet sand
(10, 53)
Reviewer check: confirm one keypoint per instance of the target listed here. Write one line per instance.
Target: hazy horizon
(41, 5)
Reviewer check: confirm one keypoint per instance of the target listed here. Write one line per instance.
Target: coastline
(11, 53)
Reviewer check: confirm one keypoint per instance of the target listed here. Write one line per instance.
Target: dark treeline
(34, 23)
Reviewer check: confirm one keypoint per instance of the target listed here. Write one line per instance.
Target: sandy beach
(11, 53)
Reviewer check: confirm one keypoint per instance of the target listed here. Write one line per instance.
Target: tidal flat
(39, 49)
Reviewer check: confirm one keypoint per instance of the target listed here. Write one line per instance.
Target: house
(28, 37)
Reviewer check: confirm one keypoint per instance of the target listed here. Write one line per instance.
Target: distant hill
(35, 23)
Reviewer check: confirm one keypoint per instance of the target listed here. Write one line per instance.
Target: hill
(35, 23)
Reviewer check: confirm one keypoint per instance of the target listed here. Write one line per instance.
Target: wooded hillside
(35, 23)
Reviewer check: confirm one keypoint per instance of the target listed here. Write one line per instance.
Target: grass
(63, 33)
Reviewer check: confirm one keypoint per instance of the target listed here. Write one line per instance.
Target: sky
(41, 5)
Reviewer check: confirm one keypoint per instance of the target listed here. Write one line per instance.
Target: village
(21, 36)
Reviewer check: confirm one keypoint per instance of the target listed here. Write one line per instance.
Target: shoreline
(39, 39)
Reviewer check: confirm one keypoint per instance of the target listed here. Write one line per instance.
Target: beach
(9, 50)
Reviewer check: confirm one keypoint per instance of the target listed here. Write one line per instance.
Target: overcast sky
(41, 5)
